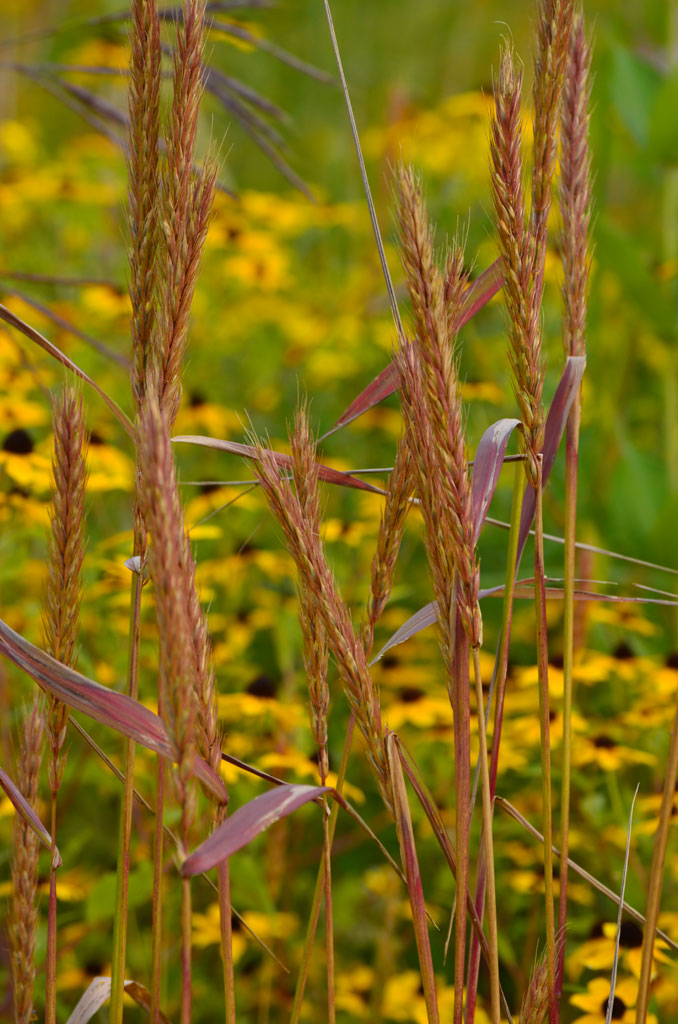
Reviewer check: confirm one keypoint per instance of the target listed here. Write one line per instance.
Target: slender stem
(542, 661)
(571, 466)
(224, 879)
(50, 962)
(495, 1007)
(156, 924)
(329, 921)
(459, 686)
(122, 884)
(656, 877)
(320, 883)
(501, 669)
(185, 945)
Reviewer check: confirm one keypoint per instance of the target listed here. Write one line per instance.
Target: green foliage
(289, 301)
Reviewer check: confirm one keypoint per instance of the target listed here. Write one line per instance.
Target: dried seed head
(66, 552)
(24, 910)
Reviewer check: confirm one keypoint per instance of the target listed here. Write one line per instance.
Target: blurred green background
(291, 301)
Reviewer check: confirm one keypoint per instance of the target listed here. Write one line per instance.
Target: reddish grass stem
(575, 205)
(61, 613)
(23, 920)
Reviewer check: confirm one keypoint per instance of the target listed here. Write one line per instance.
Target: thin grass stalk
(575, 204)
(172, 572)
(462, 785)
(63, 596)
(316, 658)
(329, 924)
(23, 918)
(226, 929)
(431, 402)
(320, 882)
(441, 833)
(523, 254)
(544, 730)
(495, 1006)
(156, 924)
(654, 890)
(501, 668)
(408, 855)
(125, 825)
(144, 222)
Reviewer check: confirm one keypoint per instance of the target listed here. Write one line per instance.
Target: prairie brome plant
(170, 204)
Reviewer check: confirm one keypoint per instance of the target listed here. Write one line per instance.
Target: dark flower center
(618, 1007)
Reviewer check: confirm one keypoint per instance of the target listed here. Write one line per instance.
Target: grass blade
(408, 853)
(14, 321)
(486, 468)
(478, 293)
(613, 981)
(115, 710)
(23, 808)
(99, 990)
(246, 823)
(248, 451)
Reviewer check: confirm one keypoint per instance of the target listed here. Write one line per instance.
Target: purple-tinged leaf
(426, 616)
(556, 419)
(486, 468)
(99, 991)
(23, 808)
(66, 325)
(112, 709)
(491, 458)
(478, 293)
(248, 451)
(247, 822)
(14, 321)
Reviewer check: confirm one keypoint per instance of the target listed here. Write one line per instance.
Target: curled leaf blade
(115, 710)
(23, 808)
(20, 325)
(486, 468)
(478, 293)
(248, 451)
(247, 822)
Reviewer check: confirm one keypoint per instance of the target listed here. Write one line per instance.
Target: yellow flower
(109, 469)
(595, 1000)
(17, 144)
(32, 472)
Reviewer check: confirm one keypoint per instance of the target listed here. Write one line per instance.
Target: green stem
(542, 661)
(501, 669)
(185, 945)
(459, 699)
(50, 963)
(491, 902)
(329, 920)
(125, 833)
(320, 884)
(656, 877)
(156, 923)
(224, 878)
(571, 467)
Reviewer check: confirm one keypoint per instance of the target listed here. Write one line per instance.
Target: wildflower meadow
(338, 504)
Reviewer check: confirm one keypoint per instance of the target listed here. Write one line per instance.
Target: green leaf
(634, 85)
(663, 129)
